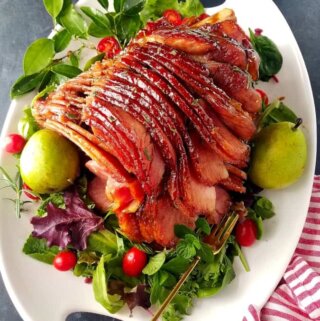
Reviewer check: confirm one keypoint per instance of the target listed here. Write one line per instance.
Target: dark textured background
(22, 21)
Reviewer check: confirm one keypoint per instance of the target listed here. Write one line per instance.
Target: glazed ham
(166, 124)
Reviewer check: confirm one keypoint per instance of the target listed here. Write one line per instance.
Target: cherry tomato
(14, 143)
(203, 16)
(264, 96)
(65, 261)
(110, 46)
(88, 280)
(173, 17)
(26, 188)
(133, 262)
(246, 232)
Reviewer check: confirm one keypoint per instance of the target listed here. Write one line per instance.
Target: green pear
(49, 162)
(279, 155)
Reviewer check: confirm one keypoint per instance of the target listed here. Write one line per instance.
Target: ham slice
(165, 125)
(157, 220)
(210, 169)
(97, 193)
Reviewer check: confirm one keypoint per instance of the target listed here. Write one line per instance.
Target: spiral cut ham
(166, 124)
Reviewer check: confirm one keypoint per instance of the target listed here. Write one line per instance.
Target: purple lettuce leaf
(70, 226)
(139, 298)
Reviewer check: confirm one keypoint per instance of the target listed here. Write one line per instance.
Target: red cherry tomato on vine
(110, 46)
(264, 96)
(246, 232)
(26, 188)
(173, 17)
(14, 143)
(65, 261)
(134, 261)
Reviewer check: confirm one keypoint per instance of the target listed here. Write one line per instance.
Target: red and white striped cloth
(297, 297)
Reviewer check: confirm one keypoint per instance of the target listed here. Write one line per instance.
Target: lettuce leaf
(69, 226)
(104, 242)
(111, 302)
(153, 9)
(190, 8)
(38, 249)
(277, 112)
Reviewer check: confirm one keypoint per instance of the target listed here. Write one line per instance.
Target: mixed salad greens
(70, 232)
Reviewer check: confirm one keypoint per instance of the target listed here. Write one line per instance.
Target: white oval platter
(40, 293)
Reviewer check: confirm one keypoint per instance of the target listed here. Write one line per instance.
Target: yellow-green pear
(49, 162)
(279, 155)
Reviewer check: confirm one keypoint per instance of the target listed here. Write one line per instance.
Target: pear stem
(298, 124)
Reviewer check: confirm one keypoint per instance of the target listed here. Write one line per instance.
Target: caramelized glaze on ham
(166, 125)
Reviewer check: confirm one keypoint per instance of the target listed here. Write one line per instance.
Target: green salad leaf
(258, 221)
(215, 276)
(97, 17)
(182, 230)
(118, 5)
(38, 249)
(158, 286)
(144, 248)
(111, 302)
(133, 7)
(104, 4)
(89, 258)
(61, 40)
(74, 59)
(155, 263)
(83, 269)
(182, 302)
(263, 207)
(86, 264)
(98, 32)
(71, 20)
(127, 27)
(104, 242)
(203, 226)
(38, 56)
(27, 125)
(66, 70)
(177, 265)
(55, 198)
(53, 7)
(190, 8)
(92, 60)
(25, 84)
(46, 81)
(271, 58)
(277, 112)
(188, 246)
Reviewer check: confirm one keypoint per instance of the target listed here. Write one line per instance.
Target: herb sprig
(16, 185)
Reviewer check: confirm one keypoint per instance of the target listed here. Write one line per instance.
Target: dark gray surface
(22, 21)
